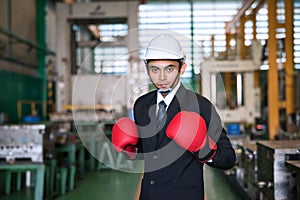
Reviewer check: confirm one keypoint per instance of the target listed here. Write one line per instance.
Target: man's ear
(182, 69)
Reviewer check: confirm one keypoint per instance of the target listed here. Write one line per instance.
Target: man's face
(164, 73)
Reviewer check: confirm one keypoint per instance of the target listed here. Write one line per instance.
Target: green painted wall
(14, 87)
(17, 86)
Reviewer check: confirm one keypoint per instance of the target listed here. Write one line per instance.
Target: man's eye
(154, 70)
(170, 69)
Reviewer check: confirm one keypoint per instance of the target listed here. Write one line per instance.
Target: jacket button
(152, 182)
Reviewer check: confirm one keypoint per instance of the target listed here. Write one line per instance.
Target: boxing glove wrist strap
(130, 152)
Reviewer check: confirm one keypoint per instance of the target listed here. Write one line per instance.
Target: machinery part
(246, 107)
(50, 138)
(274, 179)
(250, 170)
(94, 13)
(264, 184)
(23, 142)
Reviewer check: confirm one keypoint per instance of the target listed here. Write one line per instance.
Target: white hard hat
(164, 46)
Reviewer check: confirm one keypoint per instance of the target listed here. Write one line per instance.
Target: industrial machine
(294, 168)
(23, 142)
(249, 165)
(53, 132)
(244, 105)
(274, 179)
(30, 142)
(78, 84)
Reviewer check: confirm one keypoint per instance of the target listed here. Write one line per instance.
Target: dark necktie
(160, 115)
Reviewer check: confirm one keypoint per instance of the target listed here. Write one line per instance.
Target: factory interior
(70, 68)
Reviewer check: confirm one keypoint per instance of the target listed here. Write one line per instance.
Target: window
(197, 21)
(297, 34)
(109, 57)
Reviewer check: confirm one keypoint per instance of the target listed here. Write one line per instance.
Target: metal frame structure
(91, 11)
(236, 25)
(245, 113)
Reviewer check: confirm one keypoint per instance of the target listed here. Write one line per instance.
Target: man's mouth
(162, 85)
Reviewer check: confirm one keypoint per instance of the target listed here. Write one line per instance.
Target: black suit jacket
(170, 171)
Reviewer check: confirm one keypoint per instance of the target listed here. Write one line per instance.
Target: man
(176, 131)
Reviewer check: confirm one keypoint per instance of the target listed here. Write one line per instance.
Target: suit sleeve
(224, 156)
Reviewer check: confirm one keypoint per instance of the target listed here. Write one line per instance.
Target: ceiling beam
(247, 4)
(259, 5)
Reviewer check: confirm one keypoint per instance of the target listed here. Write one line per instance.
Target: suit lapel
(176, 105)
(179, 102)
(147, 118)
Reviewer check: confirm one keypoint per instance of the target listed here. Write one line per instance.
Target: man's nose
(162, 75)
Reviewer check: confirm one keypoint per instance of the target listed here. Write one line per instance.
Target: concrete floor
(114, 185)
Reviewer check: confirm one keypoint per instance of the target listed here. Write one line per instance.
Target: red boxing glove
(125, 136)
(188, 129)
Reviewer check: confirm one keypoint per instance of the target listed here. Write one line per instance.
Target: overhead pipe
(14, 36)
